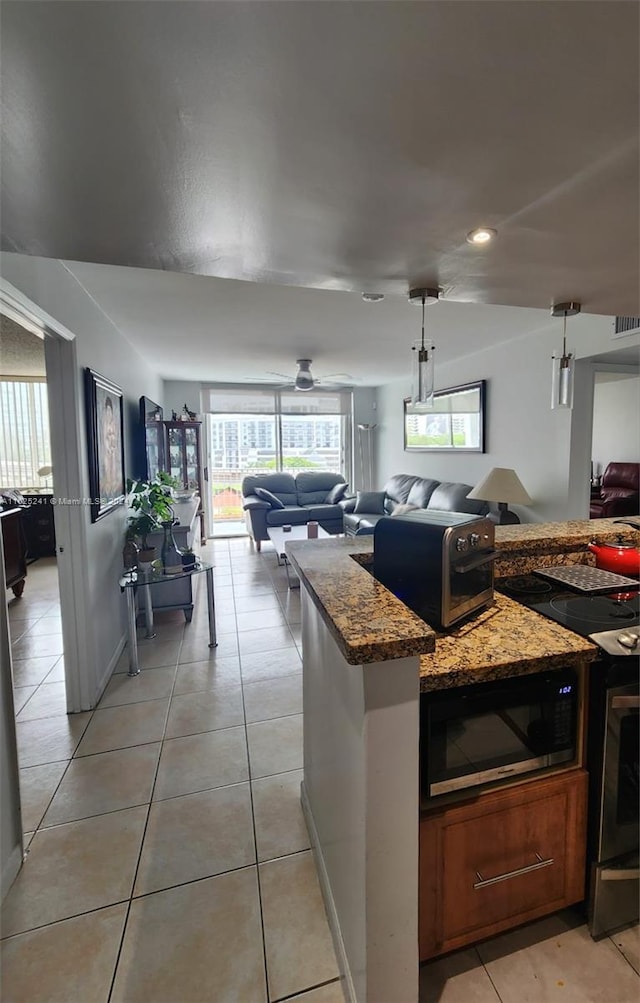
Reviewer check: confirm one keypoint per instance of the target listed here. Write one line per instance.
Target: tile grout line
(255, 836)
(144, 830)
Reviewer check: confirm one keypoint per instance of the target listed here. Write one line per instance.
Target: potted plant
(150, 502)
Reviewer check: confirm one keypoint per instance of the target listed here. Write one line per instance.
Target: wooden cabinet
(39, 526)
(508, 856)
(183, 458)
(14, 550)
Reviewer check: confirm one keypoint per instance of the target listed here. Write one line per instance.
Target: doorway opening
(29, 544)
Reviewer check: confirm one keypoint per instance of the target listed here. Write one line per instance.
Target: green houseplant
(150, 501)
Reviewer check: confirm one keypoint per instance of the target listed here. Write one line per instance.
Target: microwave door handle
(476, 562)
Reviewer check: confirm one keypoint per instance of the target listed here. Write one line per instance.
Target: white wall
(522, 432)
(102, 347)
(178, 392)
(616, 420)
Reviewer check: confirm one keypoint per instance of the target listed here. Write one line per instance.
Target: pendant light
(422, 382)
(563, 365)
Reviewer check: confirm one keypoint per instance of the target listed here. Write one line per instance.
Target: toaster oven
(440, 564)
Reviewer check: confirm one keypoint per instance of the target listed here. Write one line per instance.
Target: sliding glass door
(263, 431)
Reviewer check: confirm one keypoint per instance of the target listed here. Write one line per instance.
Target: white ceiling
(326, 145)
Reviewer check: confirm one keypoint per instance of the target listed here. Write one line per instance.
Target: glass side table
(131, 581)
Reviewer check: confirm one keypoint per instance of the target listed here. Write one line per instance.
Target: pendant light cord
(423, 299)
(564, 334)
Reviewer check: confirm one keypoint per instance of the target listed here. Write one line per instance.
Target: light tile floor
(168, 857)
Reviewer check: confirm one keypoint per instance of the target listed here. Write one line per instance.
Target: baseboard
(343, 964)
(108, 672)
(10, 870)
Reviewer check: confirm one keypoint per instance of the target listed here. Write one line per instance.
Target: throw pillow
(371, 502)
(268, 497)
(403, 509)
(337, 492)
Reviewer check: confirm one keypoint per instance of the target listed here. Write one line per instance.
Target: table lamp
(502, 485)
(46, 473)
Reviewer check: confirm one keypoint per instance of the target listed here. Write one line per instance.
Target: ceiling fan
(305, 380)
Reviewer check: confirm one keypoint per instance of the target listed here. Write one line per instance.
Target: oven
(613, 841)
(612, 620)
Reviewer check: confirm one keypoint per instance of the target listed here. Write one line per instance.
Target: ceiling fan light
(304, 380)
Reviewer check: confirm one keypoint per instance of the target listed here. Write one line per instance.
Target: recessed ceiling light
(482, 235)
(372, 297)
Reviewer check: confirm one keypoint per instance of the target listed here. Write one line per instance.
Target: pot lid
(620, 544)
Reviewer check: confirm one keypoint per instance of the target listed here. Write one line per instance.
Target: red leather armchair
(619, 492)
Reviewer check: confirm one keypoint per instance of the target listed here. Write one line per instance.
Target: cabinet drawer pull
(484, 882)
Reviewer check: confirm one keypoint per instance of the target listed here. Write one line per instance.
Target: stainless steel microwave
(494, 731)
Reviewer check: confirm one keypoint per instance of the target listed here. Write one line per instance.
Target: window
(24, 433)
(262, 430)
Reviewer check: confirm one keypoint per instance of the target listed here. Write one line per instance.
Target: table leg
(211, 608)
(134, 667)
(148, 613)
(286, 566)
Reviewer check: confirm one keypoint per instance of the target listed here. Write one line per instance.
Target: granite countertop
(369, 624)
(557, 537)
(504, 640)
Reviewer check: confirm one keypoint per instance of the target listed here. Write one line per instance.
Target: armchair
(619, 492)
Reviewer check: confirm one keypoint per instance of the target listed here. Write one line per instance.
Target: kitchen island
(366, 658)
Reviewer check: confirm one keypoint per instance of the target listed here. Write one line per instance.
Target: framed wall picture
(455, 423)
(105, 441)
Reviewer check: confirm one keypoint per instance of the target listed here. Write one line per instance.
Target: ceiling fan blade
(282, 376)
(344, 377)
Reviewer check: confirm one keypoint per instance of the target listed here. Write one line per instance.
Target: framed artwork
(455, 423)
(105, 441)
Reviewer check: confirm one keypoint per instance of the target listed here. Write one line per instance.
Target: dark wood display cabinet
(14, 549)
(184, 459)
(39, 526)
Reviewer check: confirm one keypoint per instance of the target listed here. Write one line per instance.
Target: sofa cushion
(337, 493)
(290, 515)
(421, 491)
(371, 502)
(397, 490)
(312, 485)
(324, 513)
(281, 485)
(354, 524)
(452, 497)
(268, 496)
(403, 509)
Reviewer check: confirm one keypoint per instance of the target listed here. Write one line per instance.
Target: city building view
(244, 444)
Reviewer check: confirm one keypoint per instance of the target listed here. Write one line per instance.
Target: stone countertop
(366, 621)
(504, 640)
(557, 537)
(369, 624)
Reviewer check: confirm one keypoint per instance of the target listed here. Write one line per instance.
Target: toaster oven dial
(462, 543)
(474, 539)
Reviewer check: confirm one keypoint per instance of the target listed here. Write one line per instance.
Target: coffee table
(279, 538)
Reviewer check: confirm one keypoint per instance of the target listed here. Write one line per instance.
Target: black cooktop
(584, 614)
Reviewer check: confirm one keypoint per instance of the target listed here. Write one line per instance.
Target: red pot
(622, 558)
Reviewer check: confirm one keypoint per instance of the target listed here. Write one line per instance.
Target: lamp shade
(45, 471)
(501, 485)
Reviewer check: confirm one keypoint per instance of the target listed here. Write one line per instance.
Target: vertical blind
(24, 432)
(267, 400)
